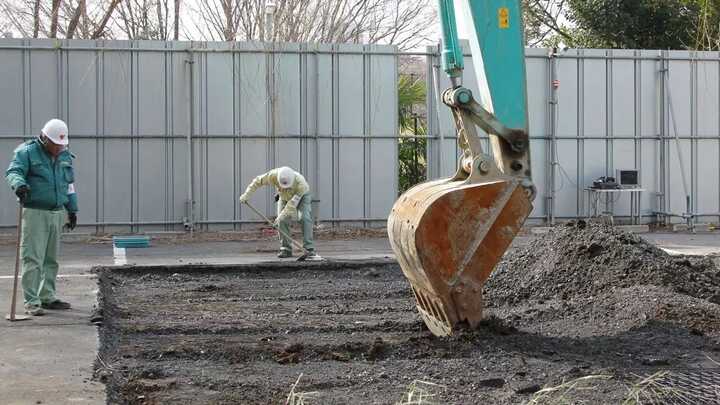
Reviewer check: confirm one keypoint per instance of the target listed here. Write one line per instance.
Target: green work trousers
(39, 248)
(304, 210)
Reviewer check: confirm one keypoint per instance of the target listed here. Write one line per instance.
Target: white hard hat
(286, 177)
(56, 131)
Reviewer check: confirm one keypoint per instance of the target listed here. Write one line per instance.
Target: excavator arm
(449, 234)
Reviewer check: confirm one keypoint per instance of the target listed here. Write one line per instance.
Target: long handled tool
(306, 256)
(12, 317)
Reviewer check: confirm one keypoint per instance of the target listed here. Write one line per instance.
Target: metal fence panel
(613, 112)
(649, 96)
(707, 176)
(12, 109)
(116, 190)
(568, 72)
(151, 168)
(382, 121)
(539, 169)
(132, 107)
(82, 77)
(328, 110)
(44, 87)
(351, 182)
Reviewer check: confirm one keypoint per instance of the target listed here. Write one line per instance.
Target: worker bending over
(294, 204)
(41, 175)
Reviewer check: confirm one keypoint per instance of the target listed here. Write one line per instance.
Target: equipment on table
(306, 256)
(449, 234)
(627, 178)
(605, 183)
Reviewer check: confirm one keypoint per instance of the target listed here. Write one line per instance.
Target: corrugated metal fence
(610, 111)
(133, 107)
(330, 111)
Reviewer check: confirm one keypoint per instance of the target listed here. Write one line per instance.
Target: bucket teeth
(433, 312)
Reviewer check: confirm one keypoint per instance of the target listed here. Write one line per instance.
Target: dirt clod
(529, 389)
(340, 356)
(654, 362)
(287, 358)
(294, 348)
(492, 383)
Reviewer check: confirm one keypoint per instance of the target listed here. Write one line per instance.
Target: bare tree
(59, 18)
(72, 26)
(36, 18)
(218, 20)
(405, 23)
(543, 20)
(54, 16)
(176, 23)
(100, 29)
(159, 6)
(146, 19)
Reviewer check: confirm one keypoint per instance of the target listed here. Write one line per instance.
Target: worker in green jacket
(294, 203)
(41, 175)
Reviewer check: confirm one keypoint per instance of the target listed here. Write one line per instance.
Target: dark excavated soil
(591, 273)
(583, 300)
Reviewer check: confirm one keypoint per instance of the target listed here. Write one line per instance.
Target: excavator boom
(449, 234)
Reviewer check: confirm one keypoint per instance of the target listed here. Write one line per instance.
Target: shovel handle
(17, 263)
(260, 214)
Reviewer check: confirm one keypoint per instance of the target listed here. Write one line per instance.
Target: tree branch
(100, 30)
(75, 19)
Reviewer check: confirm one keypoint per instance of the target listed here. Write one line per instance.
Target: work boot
(284, 254)
(57, 305)
(34, 310)
(311, 256)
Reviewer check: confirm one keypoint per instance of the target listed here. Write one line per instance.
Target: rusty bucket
(448, 235)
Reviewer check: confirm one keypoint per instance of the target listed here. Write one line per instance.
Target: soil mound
(585, 259)
(599, 273)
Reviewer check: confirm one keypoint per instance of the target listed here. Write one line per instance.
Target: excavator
(449, 234)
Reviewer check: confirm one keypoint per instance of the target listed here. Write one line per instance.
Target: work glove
(22, 193)
(287, 213)
(280, 218)
(244, 198)
(72, 221)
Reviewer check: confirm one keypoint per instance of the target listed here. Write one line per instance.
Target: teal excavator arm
(495, 32)
(452, 53)
(449, 234)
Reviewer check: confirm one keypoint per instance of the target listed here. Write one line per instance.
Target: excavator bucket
(449, 234)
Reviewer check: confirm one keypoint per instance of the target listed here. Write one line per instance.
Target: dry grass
(298, 398)
(421, 393)
(559, 394)
(653, 389)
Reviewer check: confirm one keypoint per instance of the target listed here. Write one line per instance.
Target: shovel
(306, 256)
(12, 317)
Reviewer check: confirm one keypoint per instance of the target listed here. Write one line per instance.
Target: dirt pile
(601, 274)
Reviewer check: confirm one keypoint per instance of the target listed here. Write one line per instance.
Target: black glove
(22, 193)
(72, 221)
